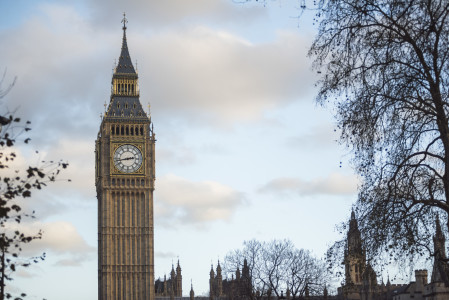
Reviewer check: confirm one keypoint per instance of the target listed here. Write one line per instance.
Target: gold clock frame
(117, 172)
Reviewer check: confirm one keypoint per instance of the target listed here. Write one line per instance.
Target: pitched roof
(125, 106)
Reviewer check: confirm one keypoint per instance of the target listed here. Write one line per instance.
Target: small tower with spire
(439, 245)
(219, 281)
(211, 282)
(245, 269)
(172, 273)
(246, 284)
(178, 281)
(165, 293)
(192, 293)
(354, 256)
(172, 287)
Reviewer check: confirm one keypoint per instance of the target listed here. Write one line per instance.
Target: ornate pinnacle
(124, 21)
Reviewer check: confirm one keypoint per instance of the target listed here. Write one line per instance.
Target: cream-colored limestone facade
(125, 174)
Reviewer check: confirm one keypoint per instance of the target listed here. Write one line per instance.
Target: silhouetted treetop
(384, 70)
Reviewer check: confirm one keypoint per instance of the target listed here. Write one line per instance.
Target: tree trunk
(2, 279)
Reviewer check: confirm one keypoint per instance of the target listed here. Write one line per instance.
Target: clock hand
(128, 158)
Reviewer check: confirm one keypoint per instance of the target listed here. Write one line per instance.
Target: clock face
(127, 158)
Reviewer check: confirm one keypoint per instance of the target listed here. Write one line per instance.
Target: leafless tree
(276, 266)
(305, 272)
(384, 67)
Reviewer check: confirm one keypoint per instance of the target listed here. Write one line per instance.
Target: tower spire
(125, 64)
(125, 86)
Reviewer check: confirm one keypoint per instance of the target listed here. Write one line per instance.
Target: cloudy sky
(242, 150)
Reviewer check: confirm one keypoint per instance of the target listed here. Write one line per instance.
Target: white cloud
(59, 238)
(58, 60)
(218, 77)
(334, 184)
(203, 75)
(54, 198)
(180, 201)
(80, 155)
(24, 273)
(75, 261)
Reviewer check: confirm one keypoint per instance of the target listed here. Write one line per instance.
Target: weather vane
(124, 21)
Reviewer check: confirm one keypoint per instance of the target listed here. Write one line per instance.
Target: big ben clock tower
(124, 180)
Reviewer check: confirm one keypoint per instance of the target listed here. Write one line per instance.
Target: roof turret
(354, 240)
(440, 271)
(172, 272)
(192, 293)
(353, 222)
(178, 268)
(218, 267)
